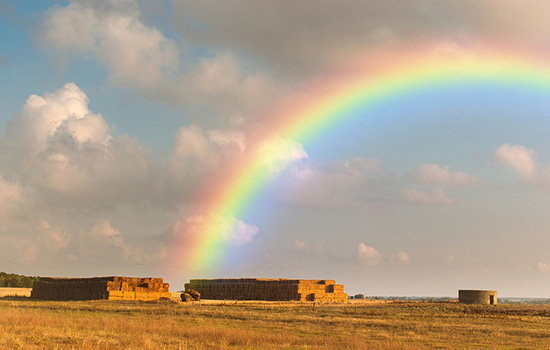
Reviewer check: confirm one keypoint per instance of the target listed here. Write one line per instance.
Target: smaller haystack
(95, 288)
(478, 297)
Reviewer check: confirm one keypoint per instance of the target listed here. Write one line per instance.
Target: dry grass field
(21, 292)
(28, 324)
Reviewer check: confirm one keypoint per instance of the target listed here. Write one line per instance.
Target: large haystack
(269, 289)
(111, 288)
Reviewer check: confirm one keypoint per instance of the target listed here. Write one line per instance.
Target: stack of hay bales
(269, 289)
(111, 288)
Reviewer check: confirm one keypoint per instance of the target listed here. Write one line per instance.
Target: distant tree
(359, 296)
(13, 280)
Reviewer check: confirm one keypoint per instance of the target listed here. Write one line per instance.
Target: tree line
(13, 280)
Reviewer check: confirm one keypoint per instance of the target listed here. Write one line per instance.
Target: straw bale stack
(268, 289)
(111, 288)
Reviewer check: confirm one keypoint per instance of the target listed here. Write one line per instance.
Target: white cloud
(436, 197)
(64, 152)
(524, 161)
(521, 158)
(277, 153)
(63, 113)
(368, 255)
(435, 174)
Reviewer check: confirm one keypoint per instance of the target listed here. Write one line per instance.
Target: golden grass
(28, 324)
(8, 291)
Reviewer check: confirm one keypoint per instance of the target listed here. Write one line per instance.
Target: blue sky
(113, 113)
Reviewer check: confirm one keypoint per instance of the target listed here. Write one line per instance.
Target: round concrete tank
(479, 297)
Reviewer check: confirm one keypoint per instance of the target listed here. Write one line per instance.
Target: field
(22, 292)
(28, 324)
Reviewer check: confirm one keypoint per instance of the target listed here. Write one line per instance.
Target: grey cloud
(304, 36)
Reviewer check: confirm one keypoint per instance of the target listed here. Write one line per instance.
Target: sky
(122, 122)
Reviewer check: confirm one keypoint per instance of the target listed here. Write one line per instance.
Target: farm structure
(269, 289)
(111, 288)
(480, 297)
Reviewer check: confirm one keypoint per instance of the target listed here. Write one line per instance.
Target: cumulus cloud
(66, 154)
(277, 153)
(521, 158)
(54, 116)
(524, 161)
(368, 255)
(436, 197)
(61, 157)
(435, 174)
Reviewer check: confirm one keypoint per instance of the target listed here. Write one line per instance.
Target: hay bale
(186, 297)
(268, 289)
(194, 294)
(112, 288)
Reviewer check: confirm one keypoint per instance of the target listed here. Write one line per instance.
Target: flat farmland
(8, 292)
(29, 324)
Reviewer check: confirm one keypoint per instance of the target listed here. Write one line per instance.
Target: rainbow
(331, 101)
